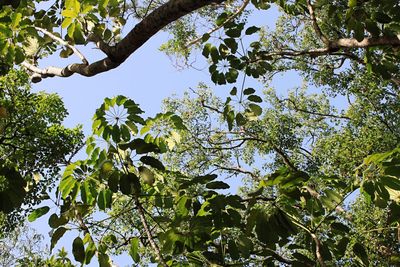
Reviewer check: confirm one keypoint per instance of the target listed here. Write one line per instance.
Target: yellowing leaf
(352, 3)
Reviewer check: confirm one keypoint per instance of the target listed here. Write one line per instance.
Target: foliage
(296, 158)
(22, 242)
(33, 144)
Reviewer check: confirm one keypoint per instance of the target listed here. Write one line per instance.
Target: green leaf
(104, 260)
(15, 20)
(205, 37)
(113, 182)
(256, 109)
(217, 185)
(182, 206)
(134, 249)
(232, 44)
(140, 146)
(233, 249)
(340, 227)
(331, 199)
(146, 175)
(19, 55)
(55, 221)
(129, 184)
(153, 162)
(215, 57)
(360, 252)
(90, 252)
(66, 186)
(231, 75)
(391, 182)
(233, 91)
(230, 119)
(254, 98)
(221, 19)
(39, 212)
(206, 50)
(251, 30)
(104, 199)
(78, 250)
(88, 192)
(341, 246)
(240, 119)
(56, 236)
(249, 91)
(234, 32)
(352, 3)
(245, 246)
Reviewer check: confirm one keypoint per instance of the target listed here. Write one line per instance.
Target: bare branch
(315, 112)
(64, 43)
(315, 24)
(139, 35)
(318, 248)
(148, 233)
(237, 169)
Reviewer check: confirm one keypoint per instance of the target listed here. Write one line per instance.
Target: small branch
(103, 46)
(314, 112)
(204, 105)
(315, 24)
(318, 247)
(64, 43)
(237, 169)
(284, 157)
(148, 232)
(267, 199)
(229, 19)
(312, 192)
(279, 257)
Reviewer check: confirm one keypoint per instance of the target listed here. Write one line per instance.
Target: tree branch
(230, 18)
(64, 43)
(139, 35)
(148, 232)
(317, 29)
(237, 169)
(315, 112)
(318, 247)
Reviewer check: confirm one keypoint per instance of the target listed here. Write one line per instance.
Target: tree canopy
(33, 145)
(163, 189)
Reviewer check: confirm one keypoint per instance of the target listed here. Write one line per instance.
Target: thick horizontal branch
(366, 42)
(139, 35)
(335, 46)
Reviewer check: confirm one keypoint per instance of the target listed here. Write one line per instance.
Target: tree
(159, 182)
(33, 145)
(22, 242)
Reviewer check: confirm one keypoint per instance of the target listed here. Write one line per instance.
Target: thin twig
(148, 233)
(64, 43)
(234, 15)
